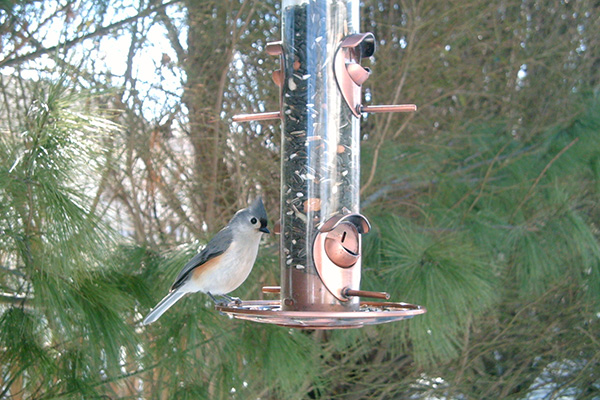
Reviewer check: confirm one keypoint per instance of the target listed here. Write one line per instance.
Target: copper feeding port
(342, 245)
(337, 258)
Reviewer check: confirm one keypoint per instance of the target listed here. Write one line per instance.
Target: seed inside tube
(292, 84)
(312, 204)
(313, 156)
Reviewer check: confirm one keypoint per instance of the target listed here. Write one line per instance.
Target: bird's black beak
(263, 226)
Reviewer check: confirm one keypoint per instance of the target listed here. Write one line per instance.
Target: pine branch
(485, 179)
(403, 184)
(12, 271)
(155, 365)
(541, 175)
(13, 299)
(70, 43)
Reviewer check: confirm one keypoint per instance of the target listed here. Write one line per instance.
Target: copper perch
(266, 116)
(365, 293)
(389, 108)
(271, 289)
(347, 292)
(257, 117)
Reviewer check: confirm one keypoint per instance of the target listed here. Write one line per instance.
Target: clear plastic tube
(320, 142)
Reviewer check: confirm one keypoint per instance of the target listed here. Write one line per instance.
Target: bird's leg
(217, 302)
(236, 300)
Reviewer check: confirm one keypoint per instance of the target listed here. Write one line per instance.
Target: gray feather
(217, 246)
(257, 208)
(163, 306)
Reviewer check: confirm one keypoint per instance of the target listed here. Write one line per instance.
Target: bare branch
(172, 34)
(70, 43)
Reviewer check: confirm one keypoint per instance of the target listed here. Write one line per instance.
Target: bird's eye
(253, 221)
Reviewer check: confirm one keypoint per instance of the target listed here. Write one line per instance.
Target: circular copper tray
(370, 313)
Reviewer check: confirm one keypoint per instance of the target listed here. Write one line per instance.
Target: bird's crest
(257, 208)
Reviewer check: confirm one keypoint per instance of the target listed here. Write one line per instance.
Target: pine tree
(62, 315)
(484, 207)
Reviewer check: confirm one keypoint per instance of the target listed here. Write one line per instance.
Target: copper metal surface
(335, 277)
(277, 77)
(369, 313)
(274, 48)
(389, 108)
(363, 42)
(342, 245)
(271, 289)
(307, 292)
(359, 220)
(349, 74)
(358, 74)
(365, 293)
(257, 117)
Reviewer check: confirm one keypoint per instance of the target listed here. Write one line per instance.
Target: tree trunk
(209, 40)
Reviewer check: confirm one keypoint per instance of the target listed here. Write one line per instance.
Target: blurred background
(118, 160)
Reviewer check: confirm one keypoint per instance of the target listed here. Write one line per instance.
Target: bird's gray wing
(217, 246)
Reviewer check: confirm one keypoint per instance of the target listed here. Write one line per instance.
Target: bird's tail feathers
(163, 306)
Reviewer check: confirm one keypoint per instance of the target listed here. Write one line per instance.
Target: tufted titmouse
(224, 264)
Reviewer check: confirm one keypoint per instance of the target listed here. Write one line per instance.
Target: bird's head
(253, 218)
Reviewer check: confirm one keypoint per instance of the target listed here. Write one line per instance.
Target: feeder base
(370, 313)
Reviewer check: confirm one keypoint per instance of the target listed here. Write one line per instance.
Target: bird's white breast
(233, 267)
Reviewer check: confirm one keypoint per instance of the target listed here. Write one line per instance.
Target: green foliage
(514, 233)
(443, 271)
(57, 251)
(22, 333)
(286, 358)
(484, 205)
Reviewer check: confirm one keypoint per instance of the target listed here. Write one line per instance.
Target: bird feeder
(321, 227)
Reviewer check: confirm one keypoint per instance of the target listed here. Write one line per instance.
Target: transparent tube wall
(320, 143)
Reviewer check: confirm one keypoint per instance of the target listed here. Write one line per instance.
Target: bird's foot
(236, 300)
(224, 300)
